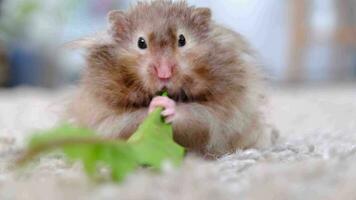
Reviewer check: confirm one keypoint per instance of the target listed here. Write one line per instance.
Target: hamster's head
(162, 45)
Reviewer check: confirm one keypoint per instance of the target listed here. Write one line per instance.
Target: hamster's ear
(119, 24)
(201, 17)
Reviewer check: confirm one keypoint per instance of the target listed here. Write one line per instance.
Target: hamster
(213, 81)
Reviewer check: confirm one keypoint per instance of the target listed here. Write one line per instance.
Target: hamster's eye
(181, 41)
(141, 43)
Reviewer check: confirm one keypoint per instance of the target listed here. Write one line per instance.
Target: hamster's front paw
(168, 105)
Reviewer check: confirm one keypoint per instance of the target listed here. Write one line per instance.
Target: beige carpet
(316, 158)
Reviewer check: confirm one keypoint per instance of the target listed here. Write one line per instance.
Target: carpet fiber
(315, 158)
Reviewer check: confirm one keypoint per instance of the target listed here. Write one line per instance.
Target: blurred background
(299, 41)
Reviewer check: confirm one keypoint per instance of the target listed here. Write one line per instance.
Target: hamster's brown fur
(216, 83)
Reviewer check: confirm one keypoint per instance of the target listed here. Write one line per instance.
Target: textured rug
(315, 158)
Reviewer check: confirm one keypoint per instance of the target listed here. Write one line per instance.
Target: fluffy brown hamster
(209, 72)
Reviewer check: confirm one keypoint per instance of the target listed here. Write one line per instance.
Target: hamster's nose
(164, 71)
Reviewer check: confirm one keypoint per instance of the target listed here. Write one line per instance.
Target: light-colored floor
(316, 158)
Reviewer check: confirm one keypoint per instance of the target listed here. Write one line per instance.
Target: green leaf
(151, 145)
(83, 145)
(153, 142)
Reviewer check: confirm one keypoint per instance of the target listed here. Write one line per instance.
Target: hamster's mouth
(180, 96)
